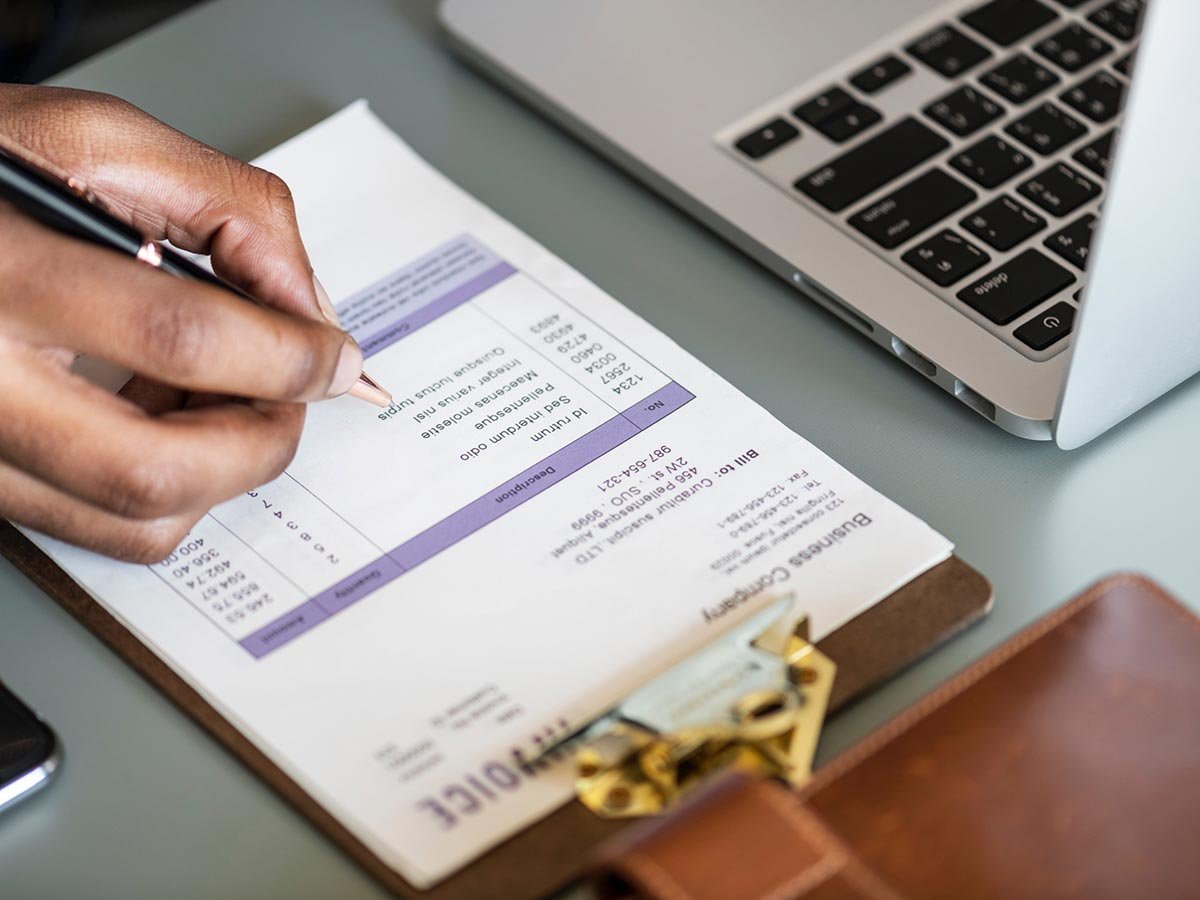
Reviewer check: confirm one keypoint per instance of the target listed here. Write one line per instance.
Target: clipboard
(552, 852)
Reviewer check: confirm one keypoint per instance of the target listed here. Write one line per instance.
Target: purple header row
(470, 518)
(416, 294)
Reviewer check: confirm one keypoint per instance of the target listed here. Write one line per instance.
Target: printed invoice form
(560, 503)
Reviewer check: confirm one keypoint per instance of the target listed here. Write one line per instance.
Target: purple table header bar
(405, 326)
(511, 494)
(470, 518)
(367, 579)
(661, 403)
(417, 293)
(284, 629)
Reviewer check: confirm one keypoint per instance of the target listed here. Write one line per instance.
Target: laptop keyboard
(971, 156)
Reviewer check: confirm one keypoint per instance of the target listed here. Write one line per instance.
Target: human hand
(217, 402)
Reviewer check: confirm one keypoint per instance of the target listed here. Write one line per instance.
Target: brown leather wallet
(1066, 763)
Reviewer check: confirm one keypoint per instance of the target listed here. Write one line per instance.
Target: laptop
(998, 193)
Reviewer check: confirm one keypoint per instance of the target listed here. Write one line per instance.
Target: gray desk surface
(148, 806)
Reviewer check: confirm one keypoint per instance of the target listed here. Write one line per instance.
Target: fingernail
(349, 367)
(367, 389)
(325, 303)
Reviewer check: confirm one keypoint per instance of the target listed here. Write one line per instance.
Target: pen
(67, 206)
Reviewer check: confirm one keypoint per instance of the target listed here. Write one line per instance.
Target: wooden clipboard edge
(901, 629)
(868, 649)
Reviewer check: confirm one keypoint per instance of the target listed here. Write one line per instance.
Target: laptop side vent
(831, 302)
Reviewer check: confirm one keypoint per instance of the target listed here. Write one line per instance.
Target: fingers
(29, 502)
(152, 396)
(108, 453)
(166, 184)
(128, 477)
(57, 291)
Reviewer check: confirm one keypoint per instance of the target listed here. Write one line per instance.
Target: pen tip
(371, 382)
(368, 389)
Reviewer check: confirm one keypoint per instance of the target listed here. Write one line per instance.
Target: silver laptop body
(933, 173)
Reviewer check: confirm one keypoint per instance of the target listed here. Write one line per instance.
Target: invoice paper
(559, 504)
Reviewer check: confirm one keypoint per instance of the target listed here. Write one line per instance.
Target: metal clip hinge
(754, 701)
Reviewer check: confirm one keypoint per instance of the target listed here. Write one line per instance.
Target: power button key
(1047, 327)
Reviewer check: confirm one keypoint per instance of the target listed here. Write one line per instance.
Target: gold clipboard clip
(753, 700)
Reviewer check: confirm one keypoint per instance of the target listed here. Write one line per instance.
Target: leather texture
(1065, 764)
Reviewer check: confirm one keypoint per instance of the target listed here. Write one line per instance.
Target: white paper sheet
(560, 503)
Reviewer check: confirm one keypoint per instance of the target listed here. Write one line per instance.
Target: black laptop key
(1046, 129)
(948, 51)
(964, 111)
(872, 164)
(1120, 18)
(1003, 223)
(762, 141)
(1073, 47)
(1124, 65)
(1016, 287)
(1048, 327)
(1007, 21)
(876, 77)
(825, 105)
(945, 258)
(1097, 156)
(991, 161)
(1099, 97)
(1019, 79)
(1059, 190)
(837, 115)
(910, 209)
(848, 122)
(1073, 242)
